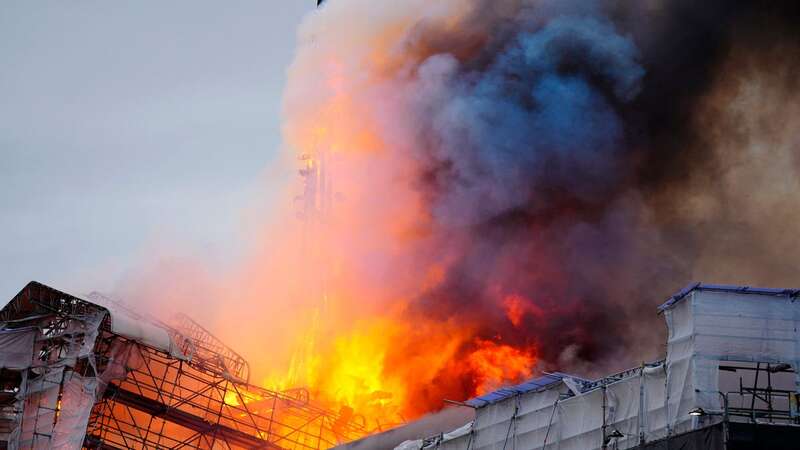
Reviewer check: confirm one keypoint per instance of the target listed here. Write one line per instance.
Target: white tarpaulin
(17, 348)
(54, 401)
(39, 410)
(77, 399)
(144, 332)
(719, 325)
(528, 419)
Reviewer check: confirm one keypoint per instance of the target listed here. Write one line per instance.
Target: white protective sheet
(525, 421)
(77, 398)
(680, 393)
(144, 332)
(739, 327)
(39, 410)
(55, 402)
(17, 348)
(653, 424)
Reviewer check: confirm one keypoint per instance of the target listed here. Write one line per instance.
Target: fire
(517, 307)
(389, 369)
(358, 379)
(514, 309)
(496, 364)
(231, 398)
(348, 374)
(235, 397)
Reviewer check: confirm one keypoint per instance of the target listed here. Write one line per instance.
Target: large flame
(388, 369)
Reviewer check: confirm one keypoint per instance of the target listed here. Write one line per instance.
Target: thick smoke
(524, 166)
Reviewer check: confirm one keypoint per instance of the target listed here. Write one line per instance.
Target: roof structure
(785, 292)
(546, 381)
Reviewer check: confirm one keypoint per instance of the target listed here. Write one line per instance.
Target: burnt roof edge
(697, 286)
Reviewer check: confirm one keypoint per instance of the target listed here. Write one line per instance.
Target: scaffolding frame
(760, 404)
(143, 396)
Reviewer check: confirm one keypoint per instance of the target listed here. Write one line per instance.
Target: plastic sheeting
(56, 410)
(39, 411)
(17, 348)
(56, 402)
(144, 332)
(78, 396)
(680, 363)
(14, 427)
(711, 326)
(557, 419)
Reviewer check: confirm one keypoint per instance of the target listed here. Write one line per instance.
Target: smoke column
(517, 185)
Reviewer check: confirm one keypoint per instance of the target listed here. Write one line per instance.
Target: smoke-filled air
(489, 189)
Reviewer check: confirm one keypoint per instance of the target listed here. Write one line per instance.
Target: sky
(128, 127)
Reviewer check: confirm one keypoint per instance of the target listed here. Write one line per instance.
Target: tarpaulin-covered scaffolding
(731, 369)
(90, 373)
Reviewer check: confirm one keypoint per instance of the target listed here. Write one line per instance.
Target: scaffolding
(77, 374)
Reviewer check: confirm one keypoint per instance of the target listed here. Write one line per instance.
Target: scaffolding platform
(91, 373)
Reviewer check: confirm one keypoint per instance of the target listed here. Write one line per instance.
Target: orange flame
(337, 284)
(517, 307)
(496, 364)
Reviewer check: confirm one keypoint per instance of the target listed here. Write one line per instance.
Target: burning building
(729, 381)
(91, 373)
(491, 189)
